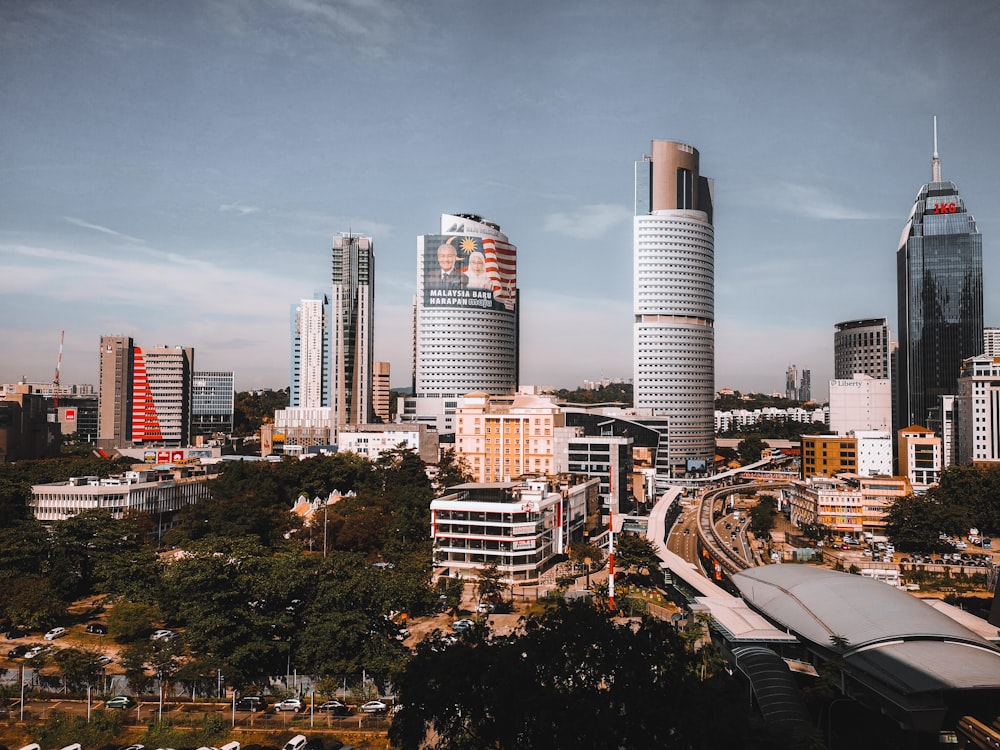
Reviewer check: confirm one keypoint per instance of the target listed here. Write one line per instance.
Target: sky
(175, 172)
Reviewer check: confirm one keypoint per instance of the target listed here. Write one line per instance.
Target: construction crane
(55, 380)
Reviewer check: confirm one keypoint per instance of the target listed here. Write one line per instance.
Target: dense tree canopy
(571, 678)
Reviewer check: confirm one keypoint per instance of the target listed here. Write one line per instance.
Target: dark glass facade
(939, 273)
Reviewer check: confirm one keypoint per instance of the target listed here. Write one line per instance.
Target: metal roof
(890, 635)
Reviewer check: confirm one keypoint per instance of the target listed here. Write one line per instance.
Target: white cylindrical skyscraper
(674, 304)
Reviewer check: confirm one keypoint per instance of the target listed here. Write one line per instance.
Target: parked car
(17, 651)
(460, 626)
(289, 704)
(120, 701)
(37, 651)
(484, 608)
(334, 707)
(160, 635)
(104, 660)
(298, 742)
(252, 703)
(13, 633)
(55, 633)
(374, 707)
(97, 628)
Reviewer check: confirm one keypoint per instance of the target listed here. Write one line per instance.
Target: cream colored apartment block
(502, 438)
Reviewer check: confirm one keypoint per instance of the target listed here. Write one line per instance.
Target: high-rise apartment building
(991, 342)
(674, 302)
(352, 330)
(144, 394)
(939, 274)
(380, 390)
(465, 329)
(309, 381)
(861, 347)
(977, 407)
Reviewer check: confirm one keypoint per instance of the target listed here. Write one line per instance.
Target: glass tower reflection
(939, 274)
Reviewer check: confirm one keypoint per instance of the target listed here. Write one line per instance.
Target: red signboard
(69, 415)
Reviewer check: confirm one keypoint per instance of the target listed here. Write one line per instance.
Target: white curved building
(465, 327)
(674, 304)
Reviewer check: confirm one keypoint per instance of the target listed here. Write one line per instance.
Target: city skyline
(217, 150)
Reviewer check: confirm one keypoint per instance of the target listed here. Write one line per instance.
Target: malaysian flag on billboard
(501, 267)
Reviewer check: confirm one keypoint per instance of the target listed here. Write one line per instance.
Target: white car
(374, 707)
(55, 633)
(160, 635)
(289, 704)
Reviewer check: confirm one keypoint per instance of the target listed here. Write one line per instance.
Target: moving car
(289, 704)
(119, 701)
(36, 651)
(374, 707)
(17, 651)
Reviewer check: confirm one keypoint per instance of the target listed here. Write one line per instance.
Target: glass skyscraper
(674, 305)
(939, 276)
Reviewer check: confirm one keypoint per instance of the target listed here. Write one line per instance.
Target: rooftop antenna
(935, 161)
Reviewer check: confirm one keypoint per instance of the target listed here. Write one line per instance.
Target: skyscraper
(309, 380)
(352, 330)
(465, 323)
(674, 302)
(791, 390)
(861, 347)
(939, 275)
(805, 386)
(114, 410)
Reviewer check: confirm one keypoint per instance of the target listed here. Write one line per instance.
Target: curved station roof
(889, 640)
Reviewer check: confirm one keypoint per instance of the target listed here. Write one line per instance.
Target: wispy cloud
(238, 208)
(813, 202)
(589, 222)
(103, 230)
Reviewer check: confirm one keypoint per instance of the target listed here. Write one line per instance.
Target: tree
(490, 586)
(130, 621)
(751, 449)
(453, 470)
(762, 515)
(636, 557)
(581, 680)
(78, 668)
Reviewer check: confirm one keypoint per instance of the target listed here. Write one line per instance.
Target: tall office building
(309, 381)
(380, 391)
(805, 386)
(939, 275)
(861, 347)
(465, 323)
(144, 394)
(791, 390)
(212, 398)
(674, 302)
(352, 330)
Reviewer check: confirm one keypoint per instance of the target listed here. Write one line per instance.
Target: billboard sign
(469, 271)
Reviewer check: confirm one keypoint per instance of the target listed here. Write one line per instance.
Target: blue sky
(175, 171)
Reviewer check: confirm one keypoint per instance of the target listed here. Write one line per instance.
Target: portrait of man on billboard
(449, 273)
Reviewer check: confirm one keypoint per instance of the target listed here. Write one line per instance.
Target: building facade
(826, 455)
(939, 273)
(846, 505)
(372, 440)
(608, 458)
(380, 392)
(977, 411)
(920, 457)
(503, 439)
(213, 396)
(352, 330)
(991, 342)
(114, 391)
(674, 302)
(860, 402)
(465, 329)
(25, 430)
(805, 386)
(309, 376)
(861, 347)
(519, 526)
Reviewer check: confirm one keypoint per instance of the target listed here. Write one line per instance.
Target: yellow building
(827, 455)
(502, 438)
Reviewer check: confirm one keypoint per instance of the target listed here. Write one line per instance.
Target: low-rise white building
(372, 440)
(874, 453)
(519, 526)
(158, 492)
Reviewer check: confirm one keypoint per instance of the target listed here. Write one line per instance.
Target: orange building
(827, 455)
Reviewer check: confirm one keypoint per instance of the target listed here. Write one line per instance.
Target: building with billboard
(939, 275)
(674, 304)
(465, 328)
(860, 402)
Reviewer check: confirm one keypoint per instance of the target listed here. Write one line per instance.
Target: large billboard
(469, 271)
